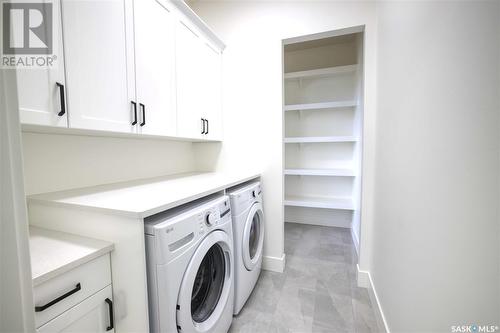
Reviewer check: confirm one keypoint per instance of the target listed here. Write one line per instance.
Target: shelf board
(320, 139)
(322, 72)
(319, 106)
(320, 172)
(319, 202)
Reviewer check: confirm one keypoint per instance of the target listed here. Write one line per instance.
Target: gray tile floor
(316, 293)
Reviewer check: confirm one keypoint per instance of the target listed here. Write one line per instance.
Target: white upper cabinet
(130, 66)
(155, 67)
(99, 75)
(41, 92)
(211, 78)
(188, 81)
(199, 93)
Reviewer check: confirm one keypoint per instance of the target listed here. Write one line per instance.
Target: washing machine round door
(206, 284)
(253, 237)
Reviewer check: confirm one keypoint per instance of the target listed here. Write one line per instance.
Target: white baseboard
(365, 281)
(355, 240)
(363, 278)
(273, 264)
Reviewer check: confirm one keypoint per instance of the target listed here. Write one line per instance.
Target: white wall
(60, 162)
(436, 233)
(253, 32)
(432, 250)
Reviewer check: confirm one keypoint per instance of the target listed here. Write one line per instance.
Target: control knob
(211, 218)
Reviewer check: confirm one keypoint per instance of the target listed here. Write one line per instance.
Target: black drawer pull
(111, 319)
(207, 128)
(135, 112)
(60, 298)
(202, 126)
(61, 96)
(143, 114)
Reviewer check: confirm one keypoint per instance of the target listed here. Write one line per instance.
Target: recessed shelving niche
(323, 108)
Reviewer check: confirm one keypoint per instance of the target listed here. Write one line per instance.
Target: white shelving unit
(319, 202)
(321, 72)
(322, 145)
(319, 106)
(320, 139)
(320, 172)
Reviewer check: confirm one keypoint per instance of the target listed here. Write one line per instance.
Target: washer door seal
(206, 284)
(253, 236)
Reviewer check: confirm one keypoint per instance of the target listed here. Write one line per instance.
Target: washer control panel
(214, 216)
(211, 218)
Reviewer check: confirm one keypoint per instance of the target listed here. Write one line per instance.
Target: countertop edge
(71, 265)
(148, 212)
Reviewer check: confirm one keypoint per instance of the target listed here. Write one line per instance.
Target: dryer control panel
(243, 198)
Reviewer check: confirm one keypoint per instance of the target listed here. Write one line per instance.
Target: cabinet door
(99, 73)
(154, 58)
(188, 67)
(212, 90)
(91, 315)
(38, 93)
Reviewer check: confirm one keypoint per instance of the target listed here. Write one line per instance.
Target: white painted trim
(200, 24)
(43, 129)
(273, 264)
(326, 34)
(365, 281)
(321, 223)
(355, 240)
(16, 286)
(363, 278)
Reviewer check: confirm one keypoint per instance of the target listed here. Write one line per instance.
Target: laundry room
(264, 166)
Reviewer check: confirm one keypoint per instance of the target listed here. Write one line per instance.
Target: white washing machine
(248, 235)
(189, 253)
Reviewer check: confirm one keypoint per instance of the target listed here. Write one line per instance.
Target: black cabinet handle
(143, 114)
(60, 298)
(61, 96)
(135, 112)
(207, 128)
(202, 126)
(111, 318)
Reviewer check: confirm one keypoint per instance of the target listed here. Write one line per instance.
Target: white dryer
(248, 234)
(189, 253)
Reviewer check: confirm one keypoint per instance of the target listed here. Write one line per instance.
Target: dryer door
(253, 237)
(206, 284)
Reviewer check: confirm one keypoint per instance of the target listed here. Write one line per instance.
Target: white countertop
(142, 198)
(54, 252)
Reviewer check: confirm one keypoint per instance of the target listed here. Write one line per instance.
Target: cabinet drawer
(93, 315)
(65, 291)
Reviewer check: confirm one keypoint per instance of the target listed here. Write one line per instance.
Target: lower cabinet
(95, 314)
(79, 300)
